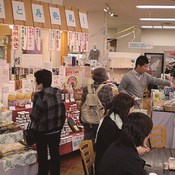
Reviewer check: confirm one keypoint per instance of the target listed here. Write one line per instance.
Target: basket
(169, 108)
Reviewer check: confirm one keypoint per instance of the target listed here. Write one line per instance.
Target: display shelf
(68, 143)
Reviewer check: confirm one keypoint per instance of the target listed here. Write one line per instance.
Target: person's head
(43, 78)
(141, 65)
(99, 75)
(136, 128)
(122, 104)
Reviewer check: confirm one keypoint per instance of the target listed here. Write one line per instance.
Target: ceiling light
(105, 10)
(157, 19)
(112, 14)
(155, 6)
(157, 27)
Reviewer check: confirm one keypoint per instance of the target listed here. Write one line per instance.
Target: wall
(97, 32)
(162, 40)
(59, 2)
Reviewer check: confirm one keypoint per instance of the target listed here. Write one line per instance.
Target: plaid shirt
(48, 113)
(105, 95)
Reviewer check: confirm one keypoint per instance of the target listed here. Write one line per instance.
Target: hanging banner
(82, 39)
(83, 20)
(30, 38)
(76, 42)
(38, 14)
(51, 39)
(38, 38)
(15, 37)
(70, 18)
(70, 40)
(2, 9)
(24, 37)
(55, 15)
(57, 40)
(86, 44)
(18, 10)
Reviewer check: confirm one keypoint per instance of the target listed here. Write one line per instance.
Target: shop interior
(66, 61)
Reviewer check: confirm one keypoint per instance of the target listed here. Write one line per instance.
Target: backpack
(92, 110)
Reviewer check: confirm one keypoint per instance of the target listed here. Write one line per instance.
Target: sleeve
(157, 81)
(37, 108)
(123, 84)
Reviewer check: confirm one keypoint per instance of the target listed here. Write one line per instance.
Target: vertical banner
(83, 20)
(86, 42)
(24, 37)
(38, 38)
(70, 18)
(55, 15)
(30, 38)
(19, 11)
(2, 9)
(15, 37)
(82, 38)
(57, 40)
(76, 42)
(51, 39)
(70, 40)
(38, 14)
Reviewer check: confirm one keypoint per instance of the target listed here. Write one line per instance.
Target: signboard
(76, 140)
(70, 17)
(55, 16)
(141, 45)
(2, 9)
(18, 10)
(83, 20)
(38, 14)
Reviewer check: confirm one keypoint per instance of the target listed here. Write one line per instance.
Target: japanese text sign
(70, 18)
(38, 14)
(2, 9)
(55, 16)
(19, 10)
(83, 20)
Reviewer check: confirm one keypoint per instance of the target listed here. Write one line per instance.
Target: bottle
(71, 93)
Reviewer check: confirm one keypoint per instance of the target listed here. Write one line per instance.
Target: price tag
(12, 108)
(27, 106)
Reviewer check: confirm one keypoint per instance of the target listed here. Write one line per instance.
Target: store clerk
(135, 81)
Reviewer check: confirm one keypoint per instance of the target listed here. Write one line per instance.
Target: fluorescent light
(168, 27)
(157, 27)
(105, 10)
(157, 19)
(155, 6)
(146, 27)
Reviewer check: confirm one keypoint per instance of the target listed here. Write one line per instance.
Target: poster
(15, 37)
(76, 140)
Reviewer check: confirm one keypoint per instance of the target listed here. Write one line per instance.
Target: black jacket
(121, 159)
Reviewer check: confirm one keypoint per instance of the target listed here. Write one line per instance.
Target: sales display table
(155, 159)
(166, 119)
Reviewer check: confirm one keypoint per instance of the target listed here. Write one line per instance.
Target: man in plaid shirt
(47, 117)
(105, 96)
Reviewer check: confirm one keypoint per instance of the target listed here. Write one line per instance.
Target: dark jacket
(48, 112)
(121, 159)
(108, 133)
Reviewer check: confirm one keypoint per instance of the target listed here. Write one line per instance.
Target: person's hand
(142, 150)
(172, 84)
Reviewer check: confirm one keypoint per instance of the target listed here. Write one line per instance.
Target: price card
(12, 108)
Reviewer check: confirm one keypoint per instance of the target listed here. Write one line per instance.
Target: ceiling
(126, 10)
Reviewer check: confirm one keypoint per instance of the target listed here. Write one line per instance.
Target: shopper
(121, 157)
(135, 81)
(110, 126)
(48, 117)
(105, 96)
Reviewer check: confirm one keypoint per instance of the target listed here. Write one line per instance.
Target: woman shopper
(48, 117)
(122, 157)
(110, 126)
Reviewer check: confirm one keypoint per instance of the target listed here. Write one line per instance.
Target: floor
(71, 164)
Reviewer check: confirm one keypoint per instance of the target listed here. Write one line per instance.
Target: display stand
(68, 143)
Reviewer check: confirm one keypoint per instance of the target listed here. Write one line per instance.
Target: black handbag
(30, 135)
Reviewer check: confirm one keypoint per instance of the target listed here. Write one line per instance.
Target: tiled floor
(71, 164)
